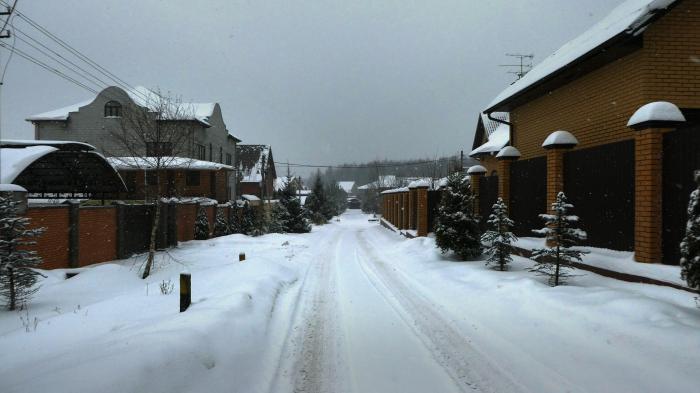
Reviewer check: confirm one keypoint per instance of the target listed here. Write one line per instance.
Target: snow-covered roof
(251, 161)
(61, 145)
(15, 160)
(628, 18)
(346, 186)
(656, 112)
(142, 96)
(383, 182)
(145, 163)
(498, 138)
(11, 188)
(491, 125)
(560, 137)
(249, 197)
(281, 183)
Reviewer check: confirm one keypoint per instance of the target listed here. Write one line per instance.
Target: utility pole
(5, 33)
(461, 160)
(522, 67)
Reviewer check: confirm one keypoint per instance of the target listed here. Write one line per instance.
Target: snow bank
(656, 111)
(106, 330)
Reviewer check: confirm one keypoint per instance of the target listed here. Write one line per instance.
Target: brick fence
(77, 236)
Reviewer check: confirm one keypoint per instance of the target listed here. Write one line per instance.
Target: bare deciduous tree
(153, 135)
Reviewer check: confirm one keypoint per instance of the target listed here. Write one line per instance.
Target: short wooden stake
(241, 257)
(185, 291)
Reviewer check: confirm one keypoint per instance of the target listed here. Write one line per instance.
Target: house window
(113, 109)
(229, 160)
(200, 152)
(192, 178)
(159, 149)
(151, 178)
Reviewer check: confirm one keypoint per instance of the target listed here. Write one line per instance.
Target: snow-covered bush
(201, 224)
(560, 229)
(690, 246)
(17, 264)
(457, 227)
(498, 238)
(221, 227)
(278, 219)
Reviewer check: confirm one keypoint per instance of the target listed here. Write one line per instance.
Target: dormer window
(113, 109)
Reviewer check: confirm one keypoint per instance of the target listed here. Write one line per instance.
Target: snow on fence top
(498, 138)
(15, 160)
(476, 170)
(560, 138)
(656, 112)
(146, 163)
(143, 97)
(419, 183)
(508, 152)
(629, 18)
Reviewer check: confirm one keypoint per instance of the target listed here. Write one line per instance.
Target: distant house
(349, 187)
(571, 120)
(94, 122)
(255, 169)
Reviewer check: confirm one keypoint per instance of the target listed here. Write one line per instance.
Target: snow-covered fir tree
(201, 224)
(297, 221)
(457, 227)
(317, 203)
(561, 232)
(498, 238)
(690, 246)
(17, 263)
(278, 219)
(221, 227)
(235, 219)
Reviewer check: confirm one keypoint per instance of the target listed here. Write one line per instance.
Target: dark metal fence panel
(488, 193)
(137, 228)
(681, 157)
(599, 182)
(528, 194)
(433, 204)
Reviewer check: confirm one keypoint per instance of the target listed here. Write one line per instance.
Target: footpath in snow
(350, 307)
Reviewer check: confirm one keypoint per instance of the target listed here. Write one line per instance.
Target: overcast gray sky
(321, 81)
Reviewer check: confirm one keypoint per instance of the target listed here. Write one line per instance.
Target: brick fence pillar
(505, 158)
(121, 229)
(475, 172)
(404, 210)
(556, 144)
(422, 211)
(648, 150)
(648, 172)
(397, 210)
(412, 193)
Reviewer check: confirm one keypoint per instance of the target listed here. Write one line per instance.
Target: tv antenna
(523, 66)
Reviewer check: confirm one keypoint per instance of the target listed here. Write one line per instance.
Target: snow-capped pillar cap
(659, 114)
(419, 184)
(560, 139)
(476, 170)
(508, 153)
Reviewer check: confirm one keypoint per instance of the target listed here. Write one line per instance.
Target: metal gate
(434, 197)
(137, 228)
(681, 157)
(599, 182)
(488, 193)
(528, 194)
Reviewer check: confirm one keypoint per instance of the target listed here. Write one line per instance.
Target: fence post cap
(508, 153)
(476, 170)
(659, 114)
(560, 139)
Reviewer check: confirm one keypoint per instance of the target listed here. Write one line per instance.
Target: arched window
(113, 109)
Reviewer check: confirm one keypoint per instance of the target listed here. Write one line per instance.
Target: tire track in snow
(310, 363)
(469, 369)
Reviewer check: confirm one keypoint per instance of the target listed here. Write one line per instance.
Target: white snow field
(350, 307)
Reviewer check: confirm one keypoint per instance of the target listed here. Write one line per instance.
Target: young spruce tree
(235, 219)
(279, 219)
(690, 246)
(221, 227)
(457, 226)
(297, 221)
(560, 229)
(317, 202)
(499, 237)
(201, 224)
(17, 264)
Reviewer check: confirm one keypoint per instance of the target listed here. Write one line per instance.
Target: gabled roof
(630, 18)
(142, 96)
(347, 186)
(251, 161)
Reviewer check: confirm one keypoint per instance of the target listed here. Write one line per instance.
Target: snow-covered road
(359, 327)
(350, 307)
